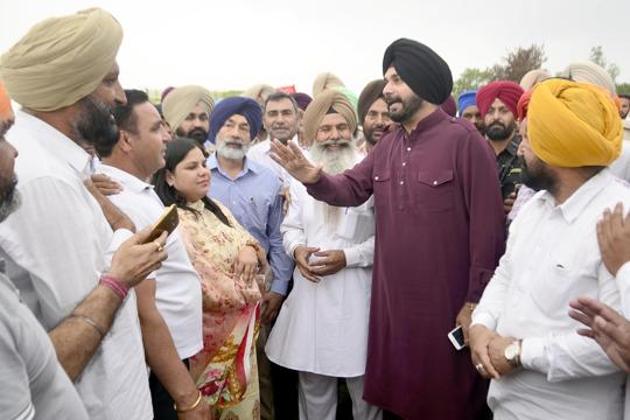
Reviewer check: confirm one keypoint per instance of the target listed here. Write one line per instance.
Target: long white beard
(334, 161)
(229, 152)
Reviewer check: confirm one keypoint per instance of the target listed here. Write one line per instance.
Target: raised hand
(613, 235)
(291, 158)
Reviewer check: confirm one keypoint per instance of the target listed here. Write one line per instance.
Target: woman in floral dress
(229, 262)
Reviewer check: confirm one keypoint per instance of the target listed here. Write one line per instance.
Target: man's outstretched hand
(292, 159)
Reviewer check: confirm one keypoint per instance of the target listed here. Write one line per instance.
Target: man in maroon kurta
(439, 235)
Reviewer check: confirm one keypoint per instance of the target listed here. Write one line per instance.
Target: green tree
(597, 57)
(623, 89)
(471, 78)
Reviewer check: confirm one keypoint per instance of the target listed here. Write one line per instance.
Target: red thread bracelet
(115, 286)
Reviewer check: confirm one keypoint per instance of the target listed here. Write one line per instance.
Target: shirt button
(404, 163)
(434, 182)
(376, 178)
(409, 149)
(402, 182)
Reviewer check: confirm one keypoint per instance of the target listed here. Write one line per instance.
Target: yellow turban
(319, 107)
(573, 124)
(61, 60)
(181, 101)
(325, 81)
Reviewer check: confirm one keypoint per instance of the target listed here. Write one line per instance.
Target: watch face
(511, 351)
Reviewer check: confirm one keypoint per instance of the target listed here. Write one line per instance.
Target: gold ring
(159, 247)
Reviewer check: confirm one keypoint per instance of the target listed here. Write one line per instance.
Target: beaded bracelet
(192, 407)
(115, 286)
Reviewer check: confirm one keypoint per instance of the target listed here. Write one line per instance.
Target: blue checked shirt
(254, 199)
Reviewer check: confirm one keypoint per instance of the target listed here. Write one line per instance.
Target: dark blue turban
(239, 105)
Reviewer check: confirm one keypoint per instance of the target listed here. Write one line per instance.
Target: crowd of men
(386, 220)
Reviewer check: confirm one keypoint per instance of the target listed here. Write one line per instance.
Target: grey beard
(231, 153)
(335, 161)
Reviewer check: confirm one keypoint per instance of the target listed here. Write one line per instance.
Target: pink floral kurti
(225, 370)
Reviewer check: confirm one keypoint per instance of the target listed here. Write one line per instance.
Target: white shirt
(323, 327)
(260, 153)
(621, 166)
(553, 257)
(623, 282)
(60, 236)
(178, 288)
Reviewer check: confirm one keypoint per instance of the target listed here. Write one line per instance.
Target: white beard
(229, 152)
(334, 161)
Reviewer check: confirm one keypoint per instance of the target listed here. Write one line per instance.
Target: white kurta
(323, 327)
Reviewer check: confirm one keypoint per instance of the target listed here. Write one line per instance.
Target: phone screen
(457, 338)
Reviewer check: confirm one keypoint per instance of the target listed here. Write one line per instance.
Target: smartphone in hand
(167, 222)
(457, 337)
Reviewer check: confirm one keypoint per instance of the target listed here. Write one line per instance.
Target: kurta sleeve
(281, 263)
(292, 228)
(360, 255)
(349, 189)
(494, 296)
(482, 195)
(623, 282)
(569, 356)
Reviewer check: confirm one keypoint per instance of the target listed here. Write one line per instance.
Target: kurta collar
(131, 182)
(433, 119)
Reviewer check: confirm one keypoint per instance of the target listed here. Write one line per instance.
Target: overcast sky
(236, 43)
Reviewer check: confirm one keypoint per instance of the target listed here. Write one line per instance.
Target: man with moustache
(373, 113)
(251, 191)
(169, 301)
(187, 111)
(281, 120)
(322, 329)
(497, 103)
(439, 234)
(60, 236)
(468, 110)
(522, 336)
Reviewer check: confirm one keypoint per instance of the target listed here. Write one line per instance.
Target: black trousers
(162, 402)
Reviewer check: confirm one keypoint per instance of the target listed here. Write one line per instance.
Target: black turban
(371, 92)
(425, 72)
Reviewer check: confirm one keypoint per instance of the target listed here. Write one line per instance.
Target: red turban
(508, 92)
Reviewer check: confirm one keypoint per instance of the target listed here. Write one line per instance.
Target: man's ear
(124, 141)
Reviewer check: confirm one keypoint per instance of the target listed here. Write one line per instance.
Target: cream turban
(259, 93)
(61, 60)
(315, 112)
(532, 77)
(589, 72)
(180, 102)
(325, 81)
(573, 124)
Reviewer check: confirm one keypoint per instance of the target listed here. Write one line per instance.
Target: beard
(408, 107)
(198, 134)
(498, 131)
(335, 160)
(232, 149)
(96, 125)
(9, 198)
(537, 176)
(370, 131)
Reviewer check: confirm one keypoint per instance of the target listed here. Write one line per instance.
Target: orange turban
(6, 112)
(573, 124)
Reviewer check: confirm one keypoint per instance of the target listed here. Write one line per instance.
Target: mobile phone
(167, 222)
(457, 338)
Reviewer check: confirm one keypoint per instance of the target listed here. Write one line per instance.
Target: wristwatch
(512, 354)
